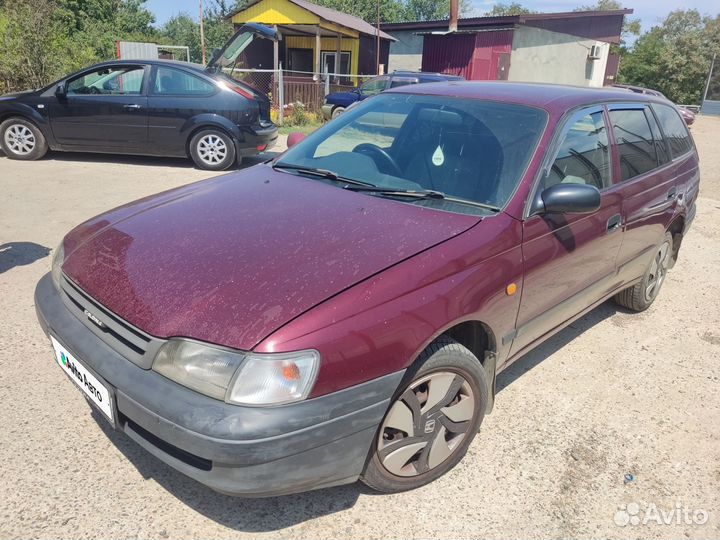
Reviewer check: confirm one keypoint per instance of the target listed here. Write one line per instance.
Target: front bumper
(327, 110)
(250, 451)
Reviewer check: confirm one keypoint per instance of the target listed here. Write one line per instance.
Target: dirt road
(615, 394)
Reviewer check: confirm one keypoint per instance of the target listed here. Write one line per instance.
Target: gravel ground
(613, 394)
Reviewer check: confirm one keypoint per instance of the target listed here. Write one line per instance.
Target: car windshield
(436, 151)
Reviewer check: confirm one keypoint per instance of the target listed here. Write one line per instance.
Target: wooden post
(377, 41)
(276, 67)
(338, 57)
(202, 33)
(318, 56)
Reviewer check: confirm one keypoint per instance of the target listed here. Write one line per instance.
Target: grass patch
(307, 128)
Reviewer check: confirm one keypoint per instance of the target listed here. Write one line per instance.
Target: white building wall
(543, 56)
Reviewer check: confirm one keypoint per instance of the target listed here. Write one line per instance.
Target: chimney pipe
(453, 15)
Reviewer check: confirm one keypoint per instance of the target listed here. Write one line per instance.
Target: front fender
(383, 323)
(11, 107)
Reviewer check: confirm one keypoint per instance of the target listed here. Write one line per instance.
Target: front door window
(113, 81)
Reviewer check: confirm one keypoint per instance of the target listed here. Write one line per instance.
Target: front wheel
(23, 140)
(337, 111)
(212, 150)
(432, 421)
(640, 296)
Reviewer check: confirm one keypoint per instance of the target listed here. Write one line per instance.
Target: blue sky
(650, 12)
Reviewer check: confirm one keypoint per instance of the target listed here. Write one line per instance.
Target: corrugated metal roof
(330, 15)
(505, 19)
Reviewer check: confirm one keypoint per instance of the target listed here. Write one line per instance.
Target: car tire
(337, 111)
(212, 150)
(21, 139)
(640, 296)
(432, 398)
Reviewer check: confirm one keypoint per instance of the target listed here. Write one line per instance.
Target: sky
(650, 12)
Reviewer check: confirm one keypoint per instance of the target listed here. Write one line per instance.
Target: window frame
(325, 54)
(153, 75)
(650, 105)
(553, 149)
(641, 106)
(387, 85)
(143, 84)
(690, 150)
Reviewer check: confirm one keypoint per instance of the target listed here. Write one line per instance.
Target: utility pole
(202, 33)
(377, 41)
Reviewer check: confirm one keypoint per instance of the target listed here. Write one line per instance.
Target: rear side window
(584, 155)
(175, 82)
(396, 81)
(676, 134)
(636, 146)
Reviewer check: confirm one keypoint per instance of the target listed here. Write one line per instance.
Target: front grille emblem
(95, 320)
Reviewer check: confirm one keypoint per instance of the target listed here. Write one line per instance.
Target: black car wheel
(21, 139)
(212, 150)
(431, 422)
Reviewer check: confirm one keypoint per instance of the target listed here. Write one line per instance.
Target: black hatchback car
(150, 107)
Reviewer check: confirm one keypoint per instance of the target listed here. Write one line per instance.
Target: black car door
(176, 96)
(105, 107)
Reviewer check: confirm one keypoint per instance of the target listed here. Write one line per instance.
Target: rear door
(103, 108)
(647, 185)
(569, 259)
(176, 96)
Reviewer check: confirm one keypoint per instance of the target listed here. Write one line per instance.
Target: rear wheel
(212, 150)
(431, 422)
(640, 296)
(337, 111)
(23, 140)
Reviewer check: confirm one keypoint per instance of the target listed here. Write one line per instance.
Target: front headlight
(236, 377)
(56, 268)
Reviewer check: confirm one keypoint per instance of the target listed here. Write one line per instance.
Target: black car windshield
(454, 151)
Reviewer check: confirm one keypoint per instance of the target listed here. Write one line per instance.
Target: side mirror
(294, 138)
(567, 199)
(60, 91)
(215, 55)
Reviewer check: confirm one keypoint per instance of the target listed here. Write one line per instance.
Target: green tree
(513, 8)
(390, 10)
(185, 30)
(674, 57)
(432, 10)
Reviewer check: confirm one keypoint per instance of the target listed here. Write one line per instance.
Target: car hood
(230, 260)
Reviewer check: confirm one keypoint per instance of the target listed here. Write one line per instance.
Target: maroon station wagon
(341, 311)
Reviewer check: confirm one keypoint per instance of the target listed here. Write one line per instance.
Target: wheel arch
(677, 231)
(479, 338)
(210, 121)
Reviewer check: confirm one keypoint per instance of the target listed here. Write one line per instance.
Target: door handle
(133, 106)
(671, 194)
(614, 223)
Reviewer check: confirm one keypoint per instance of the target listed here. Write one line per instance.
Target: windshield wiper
(422, 194)
(322, 173)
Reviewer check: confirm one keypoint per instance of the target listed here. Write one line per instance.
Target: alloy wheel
(658, 271)
(20, 139)
(212, 149)
(426, 424)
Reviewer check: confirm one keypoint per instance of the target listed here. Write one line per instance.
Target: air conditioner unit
(595, 53)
